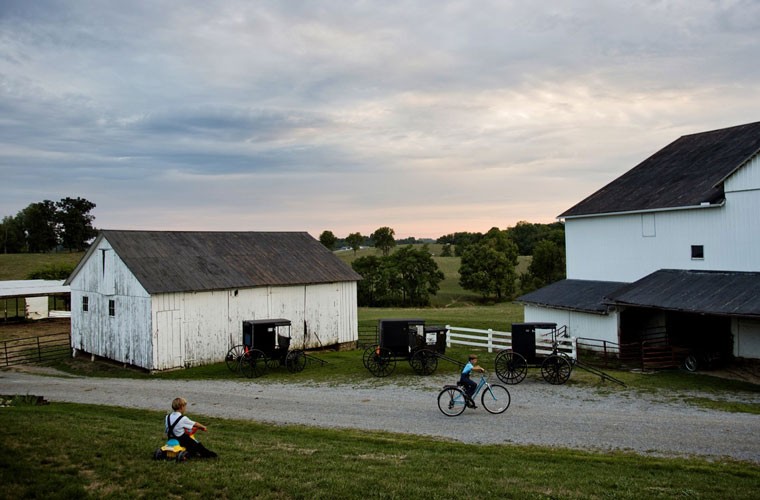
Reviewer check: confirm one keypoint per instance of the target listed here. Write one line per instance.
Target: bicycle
(452, 400)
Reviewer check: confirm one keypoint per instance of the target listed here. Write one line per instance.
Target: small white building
(161, 300)
(670, 248)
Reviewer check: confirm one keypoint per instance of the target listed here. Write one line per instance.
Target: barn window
(112, 308)
(85, 303)
(697, 252)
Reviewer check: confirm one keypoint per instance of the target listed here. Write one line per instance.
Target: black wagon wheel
(253, 364)
(232, 359)
(369, 351)
(556, 369)
(451, 401)
(424, 362)
(511, 367)
(295, 361)
(381, 362)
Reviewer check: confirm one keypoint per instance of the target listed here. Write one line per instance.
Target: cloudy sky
(426, 116)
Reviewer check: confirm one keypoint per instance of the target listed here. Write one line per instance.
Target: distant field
(17, 266)
(450, 294)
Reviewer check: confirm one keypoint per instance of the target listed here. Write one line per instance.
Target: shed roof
(688, 172)
(725, 293)
(32, 288)
(180, 261)
(575, 295)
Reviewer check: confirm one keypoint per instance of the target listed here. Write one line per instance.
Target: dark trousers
(469, 385)
(195, 448)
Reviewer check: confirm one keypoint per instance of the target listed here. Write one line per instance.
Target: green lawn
(17, 266)
(79, 451)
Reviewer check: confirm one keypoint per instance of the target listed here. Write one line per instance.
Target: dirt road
(540, 414)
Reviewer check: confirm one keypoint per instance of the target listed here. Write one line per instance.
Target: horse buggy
(541, 345)
(266, 345)
(405, 340)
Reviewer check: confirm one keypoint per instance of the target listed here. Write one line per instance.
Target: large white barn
(669, 248)
(160, 300)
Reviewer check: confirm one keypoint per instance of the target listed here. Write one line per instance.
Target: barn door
(170, 350)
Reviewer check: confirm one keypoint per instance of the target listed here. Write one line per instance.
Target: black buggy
(266, 344)
(512, 364)
(405, 339)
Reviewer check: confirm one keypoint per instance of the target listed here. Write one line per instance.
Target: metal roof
(725, 293)
(686, 173)
(32, 288)
(575, 295)
(180, 261)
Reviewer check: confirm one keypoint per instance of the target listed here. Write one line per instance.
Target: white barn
(161, 300)
(669, 248)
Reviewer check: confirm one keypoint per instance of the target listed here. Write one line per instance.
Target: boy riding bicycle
(466, 381)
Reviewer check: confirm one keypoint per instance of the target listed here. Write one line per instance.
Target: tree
(446, 251)
(75, 222)
(546, 267)
(355, 241)
(488, 267)
(328, 239)
(418, 275)
(12, 232)
(38, 221)
(374, 288)
(526, 235)
(383, 238)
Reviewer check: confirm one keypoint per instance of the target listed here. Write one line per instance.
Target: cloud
(429, 117)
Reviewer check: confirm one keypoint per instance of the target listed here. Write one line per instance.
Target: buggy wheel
(233, 357)
(295, 361)
(556, 369)
(424, 362)
(381, 363)
(495, 399)
(451, 401)
(511, 367)
(369, 351)
(690, 363)
(254, 363)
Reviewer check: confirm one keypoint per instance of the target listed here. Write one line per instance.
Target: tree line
(409, 276)
(47, 225)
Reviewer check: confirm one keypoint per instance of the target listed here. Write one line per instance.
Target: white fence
(495, 340)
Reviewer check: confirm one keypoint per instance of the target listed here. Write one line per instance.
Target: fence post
(448, 337)
(490, 340)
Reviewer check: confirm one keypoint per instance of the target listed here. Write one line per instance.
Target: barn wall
(579, 324)
(630, 246)
(746, 338)
(125, 336)
(196, 328)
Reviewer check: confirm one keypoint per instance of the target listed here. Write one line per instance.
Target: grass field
(79, 451)
(17, 266)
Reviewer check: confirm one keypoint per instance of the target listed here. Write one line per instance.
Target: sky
(428, 116)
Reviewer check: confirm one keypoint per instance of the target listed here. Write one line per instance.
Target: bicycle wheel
(511, 367)
(556, 369)
(233, 357)
(495, 399)
(451, 401)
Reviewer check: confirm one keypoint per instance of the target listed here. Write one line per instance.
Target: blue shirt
(467, 369)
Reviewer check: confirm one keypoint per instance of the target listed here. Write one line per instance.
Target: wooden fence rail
(35, 349)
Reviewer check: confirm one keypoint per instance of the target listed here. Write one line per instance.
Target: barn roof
(687, 172)
(180, 261)
(575, 295)
(725, 293)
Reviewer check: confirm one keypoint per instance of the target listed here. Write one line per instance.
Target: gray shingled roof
(687, 172)
(575, 295)
(709, 292)
(179, 261)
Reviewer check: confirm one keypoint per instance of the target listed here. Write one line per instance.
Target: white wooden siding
(198, 328)
(124, 337)
(579, 324)
(746, 338)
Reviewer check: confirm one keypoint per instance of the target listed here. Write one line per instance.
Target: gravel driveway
(540, 414)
